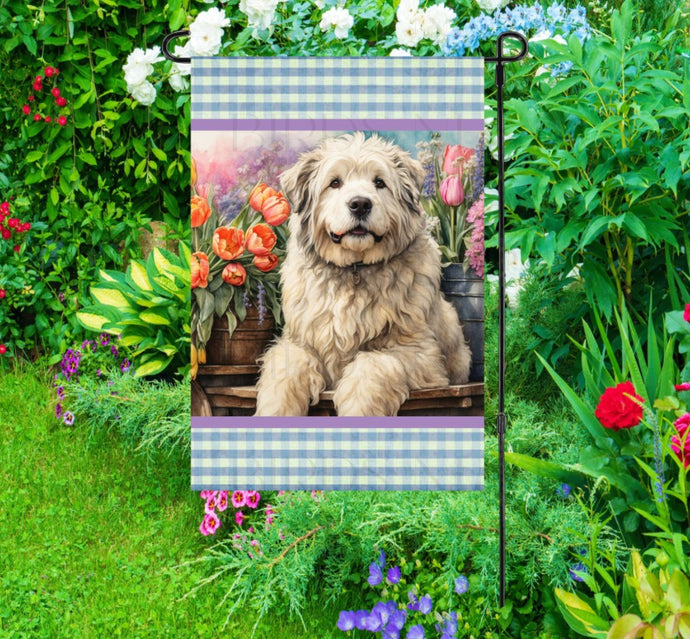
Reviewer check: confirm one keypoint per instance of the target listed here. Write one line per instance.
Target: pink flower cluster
(475, 251)
(214, 499)
(680, 443)
(241, 498)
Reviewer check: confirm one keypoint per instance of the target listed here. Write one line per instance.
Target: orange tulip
(260, 239)
(455, 157)
(276, 209)
(234, 274)
(199, 270)
(201, 211)
(259, 195)
(228, 242)
(266, 263)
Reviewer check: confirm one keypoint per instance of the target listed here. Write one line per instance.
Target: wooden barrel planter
(248, 341)
(464, 289)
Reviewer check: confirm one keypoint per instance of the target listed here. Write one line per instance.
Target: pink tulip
(451, 190)
(454, 159)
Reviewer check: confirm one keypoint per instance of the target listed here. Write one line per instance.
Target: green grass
(93, 535)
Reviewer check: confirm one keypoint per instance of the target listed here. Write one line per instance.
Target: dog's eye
(379, 183)
(335, 184)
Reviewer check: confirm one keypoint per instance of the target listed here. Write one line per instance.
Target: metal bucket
(464, 289)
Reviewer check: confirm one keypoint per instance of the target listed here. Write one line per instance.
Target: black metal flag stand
(499, 60)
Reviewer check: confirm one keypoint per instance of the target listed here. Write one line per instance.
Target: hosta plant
(148, 307)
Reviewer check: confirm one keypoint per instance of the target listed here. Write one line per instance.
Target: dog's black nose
(360, 207)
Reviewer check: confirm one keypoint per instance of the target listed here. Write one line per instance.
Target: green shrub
(601, 157)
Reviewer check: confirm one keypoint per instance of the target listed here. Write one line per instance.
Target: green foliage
(658, 607)
(148, 307)
(92, 185)
(148, 415)
(601, 157)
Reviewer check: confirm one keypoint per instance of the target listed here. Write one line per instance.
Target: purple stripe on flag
(415, 423)
(325, 124)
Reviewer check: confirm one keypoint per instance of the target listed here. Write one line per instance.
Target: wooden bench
(231, 390)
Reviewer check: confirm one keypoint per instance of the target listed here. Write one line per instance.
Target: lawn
(94, 535)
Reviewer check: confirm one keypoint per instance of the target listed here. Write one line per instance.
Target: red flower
(62, 120)
(260, 239)
(266, 263)
(39, 78)
(56, 92)
(234, 273)
(199, 270)
(12, 222)
(17, 248)
(27, 109)
(47, 118)
(228, 242)
(60, 101)
(37, 86)
(276, 209)
(26, 226)
(6, 234)
(37, 118)
(618, 409)
(685, 386)
(3, 349)
(680, 443)
(31, 98)
(686, 314)
(5, 207)
(49, 71)
(2, 293)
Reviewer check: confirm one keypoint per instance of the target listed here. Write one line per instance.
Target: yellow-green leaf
(138, 273)
(152, 367)
(92, 321)
(154, 318)
(110, 297)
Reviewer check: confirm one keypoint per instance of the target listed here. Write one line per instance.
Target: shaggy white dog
(360, 287)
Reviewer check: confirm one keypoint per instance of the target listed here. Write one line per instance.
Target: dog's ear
(297, 183)
(412, 176)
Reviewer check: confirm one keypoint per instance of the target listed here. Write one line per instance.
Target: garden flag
(337, 219)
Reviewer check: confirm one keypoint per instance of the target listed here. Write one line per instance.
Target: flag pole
(499, 60)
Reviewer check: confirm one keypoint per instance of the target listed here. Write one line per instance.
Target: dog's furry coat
(360, 287)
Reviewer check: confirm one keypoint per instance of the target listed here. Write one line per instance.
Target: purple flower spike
(346, 620)
(394, 575)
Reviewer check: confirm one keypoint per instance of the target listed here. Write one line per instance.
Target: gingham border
(338, 88)
(338, 459)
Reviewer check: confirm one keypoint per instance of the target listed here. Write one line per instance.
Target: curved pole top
(509, 35)
(182, 33)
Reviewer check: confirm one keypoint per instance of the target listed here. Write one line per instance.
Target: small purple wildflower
(124, 367)
(58, 410)
(563, 490)
(577, 568)
(60, 392)
(425, 604)
(104, 339)
(416, 632)
(61, 296)
(68, 418)
(114, 351)
(375, 575)
(394, 575)
(85, 344)
(462, 585)
(98, 372)
(346, 620)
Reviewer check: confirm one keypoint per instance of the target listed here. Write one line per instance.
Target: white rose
(260, 13)
(438, 22)
(205, 40)
(319, 4)
(211, 18)
(399, 53)
(407, 10)
(177, 81)
(409, 33)
(144, 93)
(489, 6)
(340, 19)
(139, 65)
